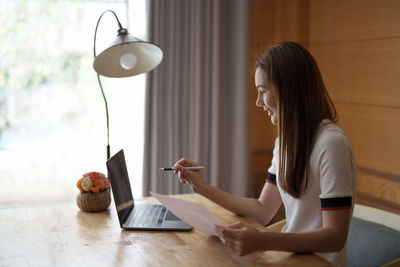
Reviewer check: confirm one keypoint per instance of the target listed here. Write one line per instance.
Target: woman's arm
(330, 237)
(261, 210)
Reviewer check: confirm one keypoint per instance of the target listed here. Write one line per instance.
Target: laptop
(137, 216)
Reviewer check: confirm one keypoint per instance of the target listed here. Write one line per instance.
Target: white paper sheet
(194, 214)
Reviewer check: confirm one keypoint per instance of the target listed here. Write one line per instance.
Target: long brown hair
(302, 103)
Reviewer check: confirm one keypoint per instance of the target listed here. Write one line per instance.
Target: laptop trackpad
(171, 217)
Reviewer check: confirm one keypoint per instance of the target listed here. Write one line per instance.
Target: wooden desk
(62, 235)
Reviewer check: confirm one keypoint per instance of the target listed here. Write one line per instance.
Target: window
(52, 115)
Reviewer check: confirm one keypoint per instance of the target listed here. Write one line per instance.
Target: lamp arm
(97, 25)
(108, 121)
(98, 77)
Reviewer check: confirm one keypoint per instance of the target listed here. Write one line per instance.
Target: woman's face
(265, 98)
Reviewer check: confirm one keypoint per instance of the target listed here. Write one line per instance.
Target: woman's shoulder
(332, 145)
(329, 134)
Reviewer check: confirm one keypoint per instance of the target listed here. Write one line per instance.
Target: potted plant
(94, 192)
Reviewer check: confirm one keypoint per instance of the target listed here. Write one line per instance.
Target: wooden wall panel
(280, 20)
(273, 20)
(361, 72)
(262, 161)
(260, 164)
(374, 134)
(338, 20)
(379, 192)
(263, 138)
(261, 131)
(263, 31)
(263, 21)
(291, 20)
(357, 46)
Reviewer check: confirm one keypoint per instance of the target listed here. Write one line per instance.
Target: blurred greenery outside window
(52, 115)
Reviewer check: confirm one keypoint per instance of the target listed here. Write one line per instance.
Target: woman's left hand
(241, 239)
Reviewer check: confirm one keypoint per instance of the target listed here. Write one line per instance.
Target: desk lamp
(126, 56)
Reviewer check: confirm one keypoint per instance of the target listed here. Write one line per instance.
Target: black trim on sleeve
(336, 203)
(271, 178)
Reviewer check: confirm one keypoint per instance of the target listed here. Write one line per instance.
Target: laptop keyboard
(147, 215)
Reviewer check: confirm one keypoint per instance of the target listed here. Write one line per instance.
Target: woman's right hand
(193, 178)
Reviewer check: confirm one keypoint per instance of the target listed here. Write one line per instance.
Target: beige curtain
(197, 99)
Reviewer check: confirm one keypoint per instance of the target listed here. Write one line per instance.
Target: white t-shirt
(331, 185)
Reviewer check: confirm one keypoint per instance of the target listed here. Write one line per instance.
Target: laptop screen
(120, 185)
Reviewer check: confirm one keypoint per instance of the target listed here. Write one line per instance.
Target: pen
(195, 168)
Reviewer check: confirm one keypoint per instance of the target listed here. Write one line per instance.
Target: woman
(312, 171)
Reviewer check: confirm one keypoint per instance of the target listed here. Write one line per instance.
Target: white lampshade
(127, 56)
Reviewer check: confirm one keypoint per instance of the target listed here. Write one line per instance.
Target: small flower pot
(94, 202)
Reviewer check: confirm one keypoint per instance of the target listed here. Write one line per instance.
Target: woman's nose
(259, 102)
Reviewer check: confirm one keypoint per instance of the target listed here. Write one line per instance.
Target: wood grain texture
(292, 20)
(273, 20)
(362, 72)
(374, 134)
(280, 20)
(384, 191)
(370, 201)
(260, 162)
(263, 22)
(343, 20)
(262, 132)
(357, 46)
(61, 235)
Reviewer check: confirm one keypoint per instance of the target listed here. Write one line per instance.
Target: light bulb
(128, 61)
